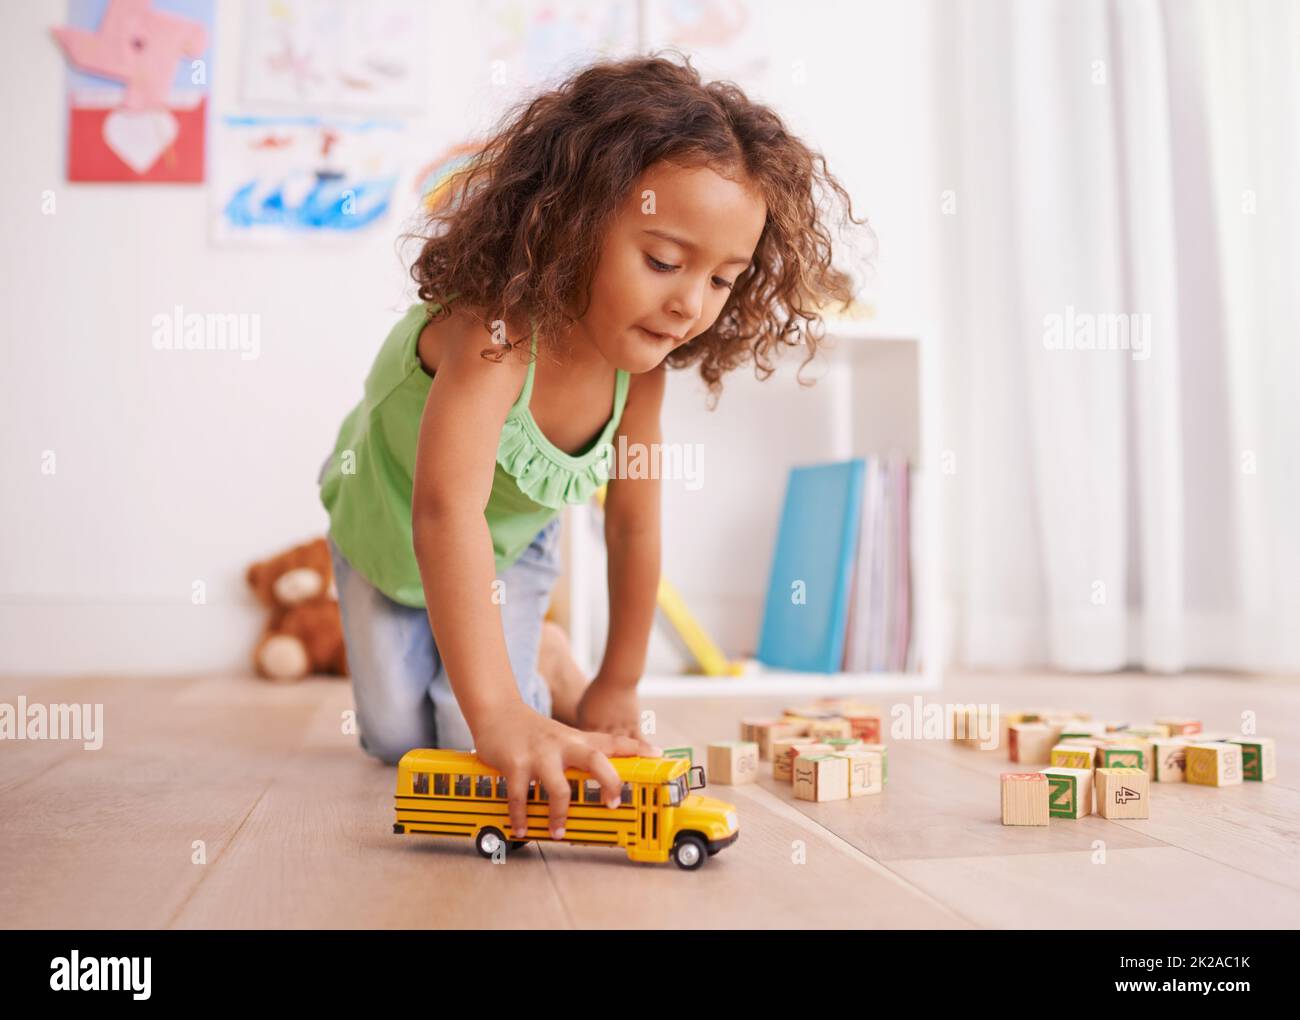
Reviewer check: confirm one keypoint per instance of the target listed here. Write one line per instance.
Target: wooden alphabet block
(783, 766)
(822, 729)
(1134, 754)
(866, 771)
(1032, 743)
(1149, 731)
(963, 725)
(1123, 793)
(1169, 759)
(763, 731)
(1069, 792)
(865, 723)
(680, 752)
(821, 777)
(1258, 758)
(1024, 798)
(1214, 737)
(816, 710)
(835, 706)
(733, 762)
(883, 750)
(780, 747)
(971, 723)
(1078, 728)
(798, 724)
(1180, 726)
(1074, 756)
(1213, 764)
(1061, 719)
(842, 743)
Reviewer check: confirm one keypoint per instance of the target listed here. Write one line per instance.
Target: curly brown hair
(521, 229)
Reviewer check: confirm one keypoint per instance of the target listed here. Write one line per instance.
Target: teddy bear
(305, 631)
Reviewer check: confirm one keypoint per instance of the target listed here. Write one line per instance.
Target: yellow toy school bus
(452, 793)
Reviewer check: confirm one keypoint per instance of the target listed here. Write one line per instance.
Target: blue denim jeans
(403, 696)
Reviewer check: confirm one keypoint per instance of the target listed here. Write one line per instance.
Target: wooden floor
(295, 823)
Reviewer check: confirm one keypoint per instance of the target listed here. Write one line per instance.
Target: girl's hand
(610, 708)
(522, 745)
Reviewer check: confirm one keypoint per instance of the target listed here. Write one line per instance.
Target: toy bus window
(501, 787)
(591, 791)
(542, 795)
(532, 789)
(573, 789)
(626, 796)
(441, 784)
(420, 782)
(482, 786)
(462, 786)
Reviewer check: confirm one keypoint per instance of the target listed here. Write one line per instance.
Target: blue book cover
(808, 591)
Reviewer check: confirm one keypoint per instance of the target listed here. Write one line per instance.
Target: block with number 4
(1123, 793)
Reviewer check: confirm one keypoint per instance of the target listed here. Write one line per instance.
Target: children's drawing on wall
(726, 39)
(434, 183)
(528, 43)
(279, 178)
(137, 88)
(362, 55)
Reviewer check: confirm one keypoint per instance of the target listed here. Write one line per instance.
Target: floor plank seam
(555, 888)
(1212, 860)
(207, 870)
(785, 810)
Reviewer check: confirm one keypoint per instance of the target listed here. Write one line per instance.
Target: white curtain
(1110, 508)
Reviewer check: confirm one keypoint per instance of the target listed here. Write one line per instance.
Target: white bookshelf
(880, 382)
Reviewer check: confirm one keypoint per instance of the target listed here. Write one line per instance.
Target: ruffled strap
(541, 477)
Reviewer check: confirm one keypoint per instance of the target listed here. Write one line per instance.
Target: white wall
(179, 467)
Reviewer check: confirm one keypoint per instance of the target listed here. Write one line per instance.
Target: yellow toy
(452, 793)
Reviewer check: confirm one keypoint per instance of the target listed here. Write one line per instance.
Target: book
(806, 610)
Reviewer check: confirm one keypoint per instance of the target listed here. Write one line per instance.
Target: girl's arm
(454, 466)
(632, 530)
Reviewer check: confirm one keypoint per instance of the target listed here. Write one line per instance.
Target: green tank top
(366, 485)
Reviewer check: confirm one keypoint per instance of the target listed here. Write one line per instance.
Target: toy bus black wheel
(518, 844)
(490, 842)
(689, 852)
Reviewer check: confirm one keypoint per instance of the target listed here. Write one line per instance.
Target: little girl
(631, 220)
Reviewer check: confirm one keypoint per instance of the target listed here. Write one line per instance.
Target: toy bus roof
(630, 770)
